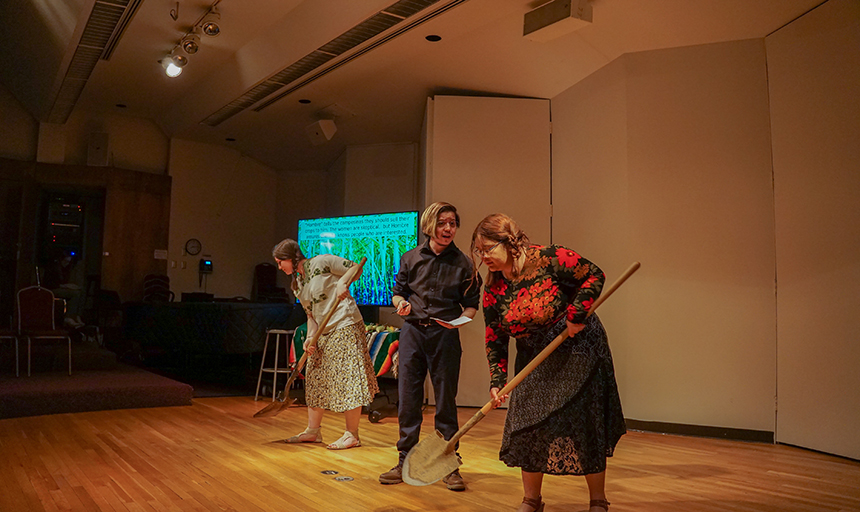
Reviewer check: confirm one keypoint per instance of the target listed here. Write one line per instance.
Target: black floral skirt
(565, 417)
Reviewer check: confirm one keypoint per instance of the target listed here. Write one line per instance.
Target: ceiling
(375, 92)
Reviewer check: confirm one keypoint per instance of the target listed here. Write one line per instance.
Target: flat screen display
(381, 238)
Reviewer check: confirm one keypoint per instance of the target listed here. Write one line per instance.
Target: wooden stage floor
(214, 456)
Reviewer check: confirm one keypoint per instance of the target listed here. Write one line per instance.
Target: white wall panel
(814, 77)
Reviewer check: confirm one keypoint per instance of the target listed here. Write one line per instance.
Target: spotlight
(173, 64)
(190, 43)
(170, 69)
(209, 25)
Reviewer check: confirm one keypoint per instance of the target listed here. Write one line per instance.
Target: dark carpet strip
(123, 387)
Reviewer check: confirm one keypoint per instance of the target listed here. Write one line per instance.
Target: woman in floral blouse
(565, 417)
(339, 375)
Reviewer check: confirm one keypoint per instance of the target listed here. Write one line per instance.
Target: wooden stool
(287, 337)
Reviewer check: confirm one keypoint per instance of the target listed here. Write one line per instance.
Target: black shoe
(393, 475)
(454, 481)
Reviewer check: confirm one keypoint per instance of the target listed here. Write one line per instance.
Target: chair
(264, 288)
(156, 288)
(36, 320)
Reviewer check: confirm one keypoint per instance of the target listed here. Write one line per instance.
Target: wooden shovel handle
(301, 363)
(538, 359)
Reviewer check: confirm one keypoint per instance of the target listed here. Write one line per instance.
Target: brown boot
(393, 475)
(454, 481)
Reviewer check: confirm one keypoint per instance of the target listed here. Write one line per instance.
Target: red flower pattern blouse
(555, 281)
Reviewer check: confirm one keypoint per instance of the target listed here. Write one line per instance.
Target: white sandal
(308, 435)
(347, 440)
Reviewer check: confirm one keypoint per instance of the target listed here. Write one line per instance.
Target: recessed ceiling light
(433, 38)
(304, 101)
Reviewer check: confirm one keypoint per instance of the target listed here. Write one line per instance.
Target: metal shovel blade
(429, 461)
(275, 407)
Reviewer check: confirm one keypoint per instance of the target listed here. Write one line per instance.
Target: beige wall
(335, 188)
(228, 202)
(135, 144)
(301, 195)
(665, 157)
(814, 76)
(380, 178)
(19, 131)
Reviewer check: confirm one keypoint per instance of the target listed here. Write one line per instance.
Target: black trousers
(436, 350)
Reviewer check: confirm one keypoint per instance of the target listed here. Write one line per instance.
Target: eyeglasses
(450, 224)
(483, 252)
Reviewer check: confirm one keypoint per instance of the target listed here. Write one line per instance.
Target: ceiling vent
(396, 19)
(131, 7)
(105, 26)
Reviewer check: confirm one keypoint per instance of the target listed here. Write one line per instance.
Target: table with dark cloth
(207, 327)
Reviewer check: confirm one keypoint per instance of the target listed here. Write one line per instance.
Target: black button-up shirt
(438, 285)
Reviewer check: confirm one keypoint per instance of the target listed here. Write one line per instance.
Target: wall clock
(193, 246)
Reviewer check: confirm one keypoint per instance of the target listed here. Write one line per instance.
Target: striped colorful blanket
(382, 347)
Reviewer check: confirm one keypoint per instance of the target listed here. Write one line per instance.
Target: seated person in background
(61, 279)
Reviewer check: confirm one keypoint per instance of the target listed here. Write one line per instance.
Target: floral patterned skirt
(565, 417)
(339, 376)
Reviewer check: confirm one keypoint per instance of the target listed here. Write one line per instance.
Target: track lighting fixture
(190, 43)
(173, 64)
(209, 25)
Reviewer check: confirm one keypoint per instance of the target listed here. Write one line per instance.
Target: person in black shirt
(436, 285)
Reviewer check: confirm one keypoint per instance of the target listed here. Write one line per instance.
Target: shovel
(275, 408)
(433, 457)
